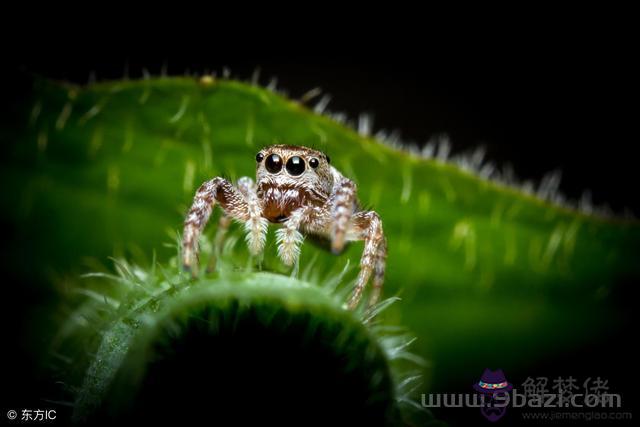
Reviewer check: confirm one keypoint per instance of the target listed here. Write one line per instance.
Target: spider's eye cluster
(314, 163)
(273, 163)
(259, 157)
(295, 165)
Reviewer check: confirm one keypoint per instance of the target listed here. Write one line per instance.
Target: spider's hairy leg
(256, 225)
(230, 200)
(378, 272)
(343, 202)
(367, 226)
(221, 232)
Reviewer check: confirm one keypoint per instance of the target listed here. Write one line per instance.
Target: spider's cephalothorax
(298, 188)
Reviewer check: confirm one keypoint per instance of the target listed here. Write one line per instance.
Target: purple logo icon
(495, 387)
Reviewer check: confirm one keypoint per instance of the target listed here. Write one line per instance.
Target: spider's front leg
(367, 226)
(255, 227)
(238, 204)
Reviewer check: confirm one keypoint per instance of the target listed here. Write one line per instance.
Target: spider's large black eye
(295, 165)
(314, 163)
(273, 163)
(259, 157)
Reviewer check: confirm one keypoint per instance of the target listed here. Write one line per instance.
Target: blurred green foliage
(110, 169)
(238, 333)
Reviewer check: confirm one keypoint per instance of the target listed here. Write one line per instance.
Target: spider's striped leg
(343, 202)
(256, 225)
(221, 233)
(366, 225)
(379, 267)
(215, 190)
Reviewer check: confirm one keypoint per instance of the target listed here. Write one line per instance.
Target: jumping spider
(298, 188)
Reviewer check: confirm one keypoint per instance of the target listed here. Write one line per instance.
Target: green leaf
(258, 339)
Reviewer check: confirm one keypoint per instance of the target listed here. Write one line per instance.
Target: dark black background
(542, 96)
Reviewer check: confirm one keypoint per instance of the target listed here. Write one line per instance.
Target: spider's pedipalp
(255, 226)
(314, 220)
(289, 240)
(367, 226)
